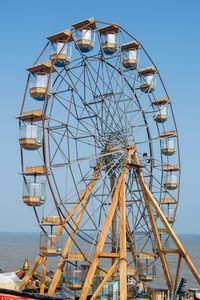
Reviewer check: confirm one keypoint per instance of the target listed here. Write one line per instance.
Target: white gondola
(161, 115)
(146, 266)
(40, 81)
(50, 245)
(169, 210)
(75, 277)
(170, 214)
(60, 54)
(110, 39)
(34, 193)
(149, 84)
(110, 43)
(168, 146)
(39, 89)
(30, 136)
(131, 61)
(60, 48)
(149, 79)
(130, 54)
(85, 36)
(86, 40)
(147, 271)
(170, 181)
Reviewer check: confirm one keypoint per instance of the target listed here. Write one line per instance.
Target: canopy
(9, 280)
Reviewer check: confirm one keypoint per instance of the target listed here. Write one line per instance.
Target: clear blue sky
(170, 32)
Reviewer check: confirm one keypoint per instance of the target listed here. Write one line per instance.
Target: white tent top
(9, 277)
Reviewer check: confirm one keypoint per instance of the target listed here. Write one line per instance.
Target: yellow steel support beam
(107, 224)
(177, 272)
(131, 242)
(42, 283)
(167, 225)
(99, 248)
(159, 244)
(174, 237)
(74, 207)
(112, 181)
(122, 252)
(67, 246)
(153, 224)
(60, 228)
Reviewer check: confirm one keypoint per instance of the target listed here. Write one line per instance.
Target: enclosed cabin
(75, 276)
(170, 181)
(168, 205)
(30, 136)
(30, 132)
(162, 109)
(166, 200)
(85, 36)
(40, 81)
(169, 212)
(50, 244)
(148, 77)
(146, 266)
(34, 192)
(168, 146)
(110, 39)
(161, 115)
(130, 55)
(61, 50)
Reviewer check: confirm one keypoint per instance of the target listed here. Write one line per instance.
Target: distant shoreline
(37, 232)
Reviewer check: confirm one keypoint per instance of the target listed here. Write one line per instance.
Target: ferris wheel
(100, 161)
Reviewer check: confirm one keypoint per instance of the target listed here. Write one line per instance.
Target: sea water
(15, 247)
